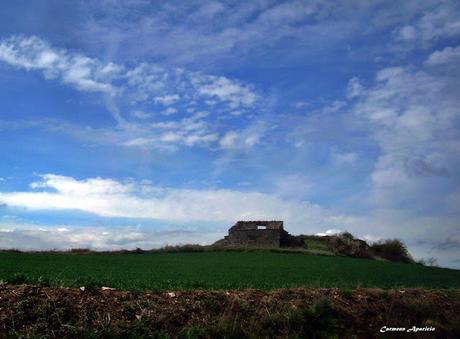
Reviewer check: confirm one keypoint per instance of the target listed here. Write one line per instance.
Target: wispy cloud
(446, 56)
(144, 82)
(110, 198)
(171, 91)
(413, 115)
(345, 158)
(30, 237)
(77, 70)
(432, 24)
(206, 29)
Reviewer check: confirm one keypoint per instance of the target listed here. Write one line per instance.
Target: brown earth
(32, 311)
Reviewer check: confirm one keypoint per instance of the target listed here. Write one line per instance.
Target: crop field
(216, 270)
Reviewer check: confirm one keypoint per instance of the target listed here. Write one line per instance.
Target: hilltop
(341, 244)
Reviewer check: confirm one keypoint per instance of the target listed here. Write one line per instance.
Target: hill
(341, 244)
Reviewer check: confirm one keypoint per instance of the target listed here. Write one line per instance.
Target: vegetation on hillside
(341, 244)
(346, 244)
(392, 249)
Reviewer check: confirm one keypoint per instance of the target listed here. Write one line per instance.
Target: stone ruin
(256, 234)
(271, 234)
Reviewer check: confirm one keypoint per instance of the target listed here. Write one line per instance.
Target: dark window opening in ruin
(261, 227)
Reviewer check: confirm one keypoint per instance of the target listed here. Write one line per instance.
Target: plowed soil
(33, 311)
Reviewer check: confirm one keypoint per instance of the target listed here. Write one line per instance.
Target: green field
(216, 270)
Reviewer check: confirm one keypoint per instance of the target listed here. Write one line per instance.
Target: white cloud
(93, 186)
(235, 30)
(208, 11)
(407, 33)
(194, 139)
(236, 94)
(446, 56)
(110, 198)
(166, 87)
(141, 114)
(329, 232)
(169, 111)
(192, 131)
(441, 22)
(334, 106)
(139, 142)
(31, 237)
(431, 25)
(345, 158)
(354, 88)
(229, 139)
(245, 138)
(81, 72)
(413, 115)
(146, 80)
(167, 99)
(170, 137)
(140, 85)
(302, 104)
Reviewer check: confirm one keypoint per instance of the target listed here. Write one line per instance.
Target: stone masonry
(256, 234)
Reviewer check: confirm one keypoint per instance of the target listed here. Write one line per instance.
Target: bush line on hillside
(343, 244)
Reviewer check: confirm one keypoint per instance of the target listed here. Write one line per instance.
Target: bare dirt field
(33, 311)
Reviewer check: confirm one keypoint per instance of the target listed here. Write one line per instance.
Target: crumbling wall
(252, 225)
(247, 233)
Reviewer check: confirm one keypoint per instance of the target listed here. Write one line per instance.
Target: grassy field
(216, 270)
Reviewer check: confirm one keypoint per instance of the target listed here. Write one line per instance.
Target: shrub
(428, 262)
(346, 244)
(80, 250)
(181, 248)
(346, 235)
(393, 250)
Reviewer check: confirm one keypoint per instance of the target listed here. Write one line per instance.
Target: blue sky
(138, 123)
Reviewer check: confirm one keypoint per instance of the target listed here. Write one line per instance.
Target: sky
(140, 123)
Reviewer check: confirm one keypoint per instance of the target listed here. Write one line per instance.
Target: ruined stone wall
(256, 234)
(252, 225)
(254, 237)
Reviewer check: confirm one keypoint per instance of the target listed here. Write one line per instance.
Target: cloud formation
(110, 198)
(171, 91)
(413, 115)
(446, 56)
(295, 110)
(77, 70)
(32, 238)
